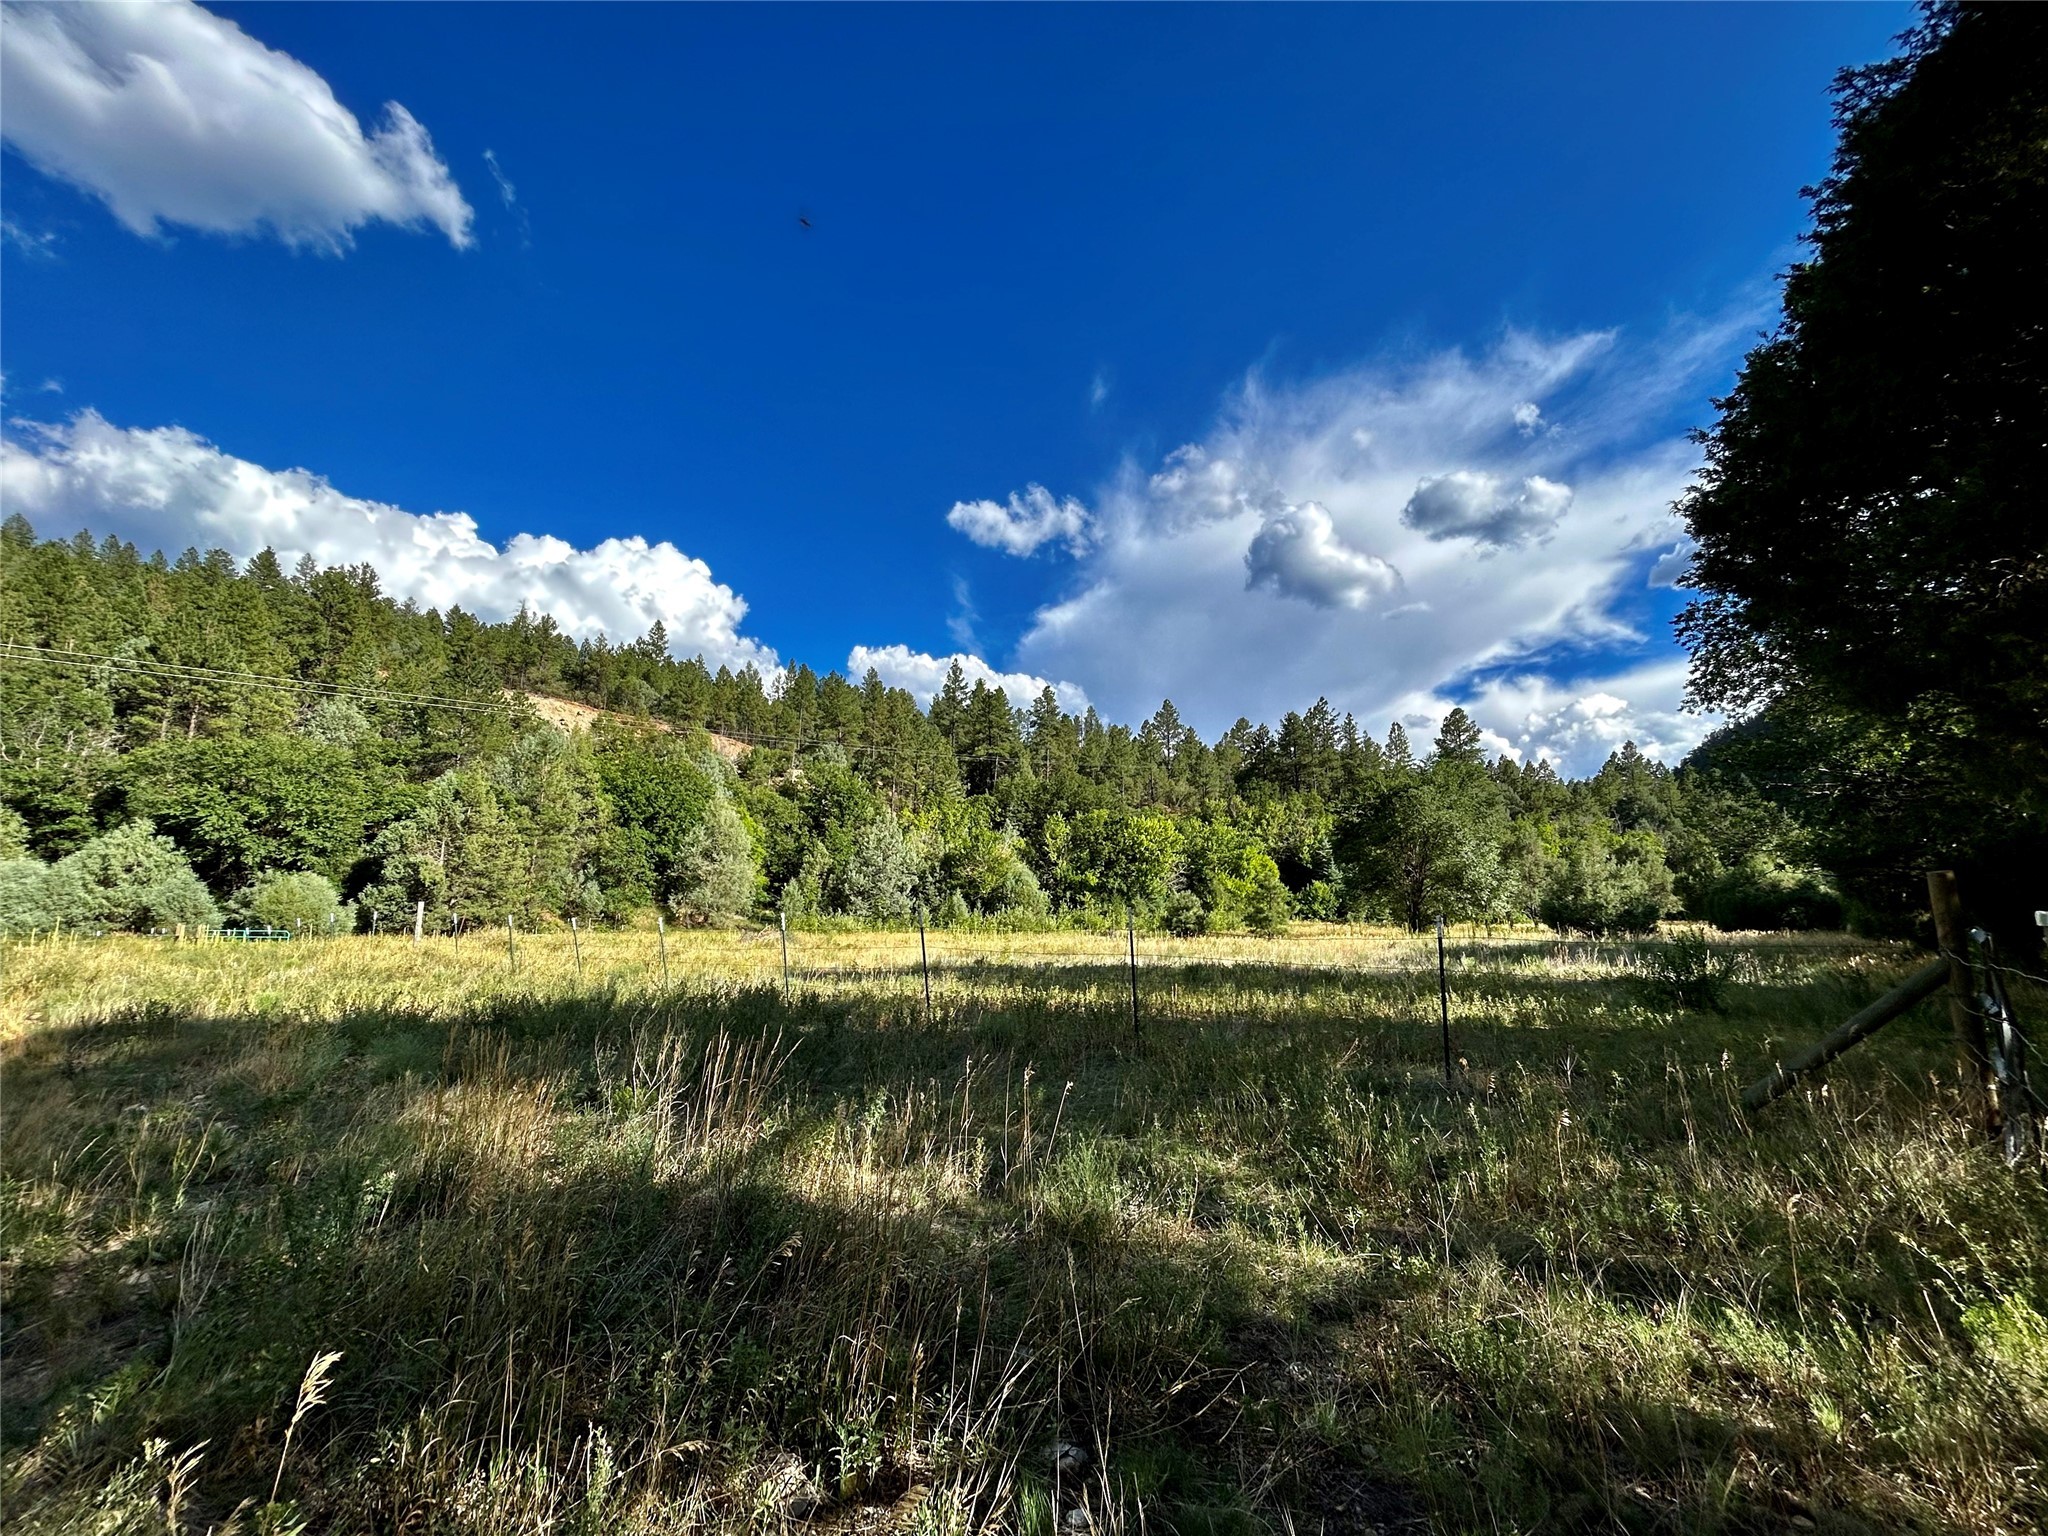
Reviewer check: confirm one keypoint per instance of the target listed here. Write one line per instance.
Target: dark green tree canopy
(1870, 519)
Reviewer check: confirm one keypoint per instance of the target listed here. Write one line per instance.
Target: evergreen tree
(132, 878)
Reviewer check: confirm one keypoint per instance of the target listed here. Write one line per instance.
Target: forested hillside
(183, 739)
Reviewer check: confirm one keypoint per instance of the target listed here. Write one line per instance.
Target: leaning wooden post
(783, 919)
(1972, 1044)
(1924, 982)
(511, 954)
(576, 944)
(661, 941)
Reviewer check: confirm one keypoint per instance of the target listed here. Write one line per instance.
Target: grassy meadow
(355, 1236)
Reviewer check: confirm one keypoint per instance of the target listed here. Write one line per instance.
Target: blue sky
(1353, 348)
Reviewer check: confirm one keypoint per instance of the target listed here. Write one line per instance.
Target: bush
(132, 878)
(880, 871)
(715, 863)
(1268, 908)
(1317, 901)
(1184, 915)
(1765, 893)
(302, 900)
(35, 897)
(1603, 884)
(1689, 973)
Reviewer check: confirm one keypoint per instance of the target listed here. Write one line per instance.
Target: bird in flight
(803, 218)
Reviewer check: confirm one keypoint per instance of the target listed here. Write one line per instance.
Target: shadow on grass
(888, 1268)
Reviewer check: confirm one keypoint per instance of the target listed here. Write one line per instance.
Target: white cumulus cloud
(922, 675)
(1303, 487)
(1474, 505)
(1030, 518)
(167, 488)
(1297, 553)
(1576, 722)
(173, 115)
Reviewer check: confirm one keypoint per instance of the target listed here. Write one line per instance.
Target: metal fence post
(1131, 937)
(925, 959)
(1443, 997)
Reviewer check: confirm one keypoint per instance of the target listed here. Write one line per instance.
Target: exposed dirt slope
(567, 715)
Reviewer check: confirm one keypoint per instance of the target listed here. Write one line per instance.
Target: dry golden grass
(603, 1254)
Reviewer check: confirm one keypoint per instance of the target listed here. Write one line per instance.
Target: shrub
(13, 834)
(715, 863)
(132, 878)
(300, 900)
(1766, 893)
(1603, 884)
(880, 871)
(1268, 907)
(1184, 915)
(35, 897)
(1317, 901)
(1689, 973)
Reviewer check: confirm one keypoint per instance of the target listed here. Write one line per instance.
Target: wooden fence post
(1972, 1044)
(661, 940)
(576, 943)
(419, 921)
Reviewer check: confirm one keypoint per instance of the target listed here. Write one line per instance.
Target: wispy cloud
(509, 196)
(37, 244)
(172, 115)
(961, 621)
